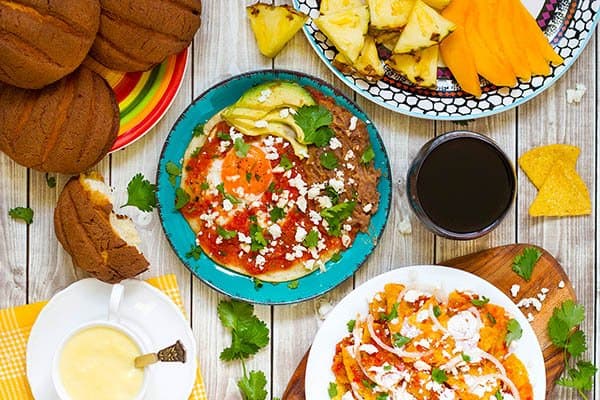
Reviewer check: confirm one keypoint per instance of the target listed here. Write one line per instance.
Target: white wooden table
(33, 265)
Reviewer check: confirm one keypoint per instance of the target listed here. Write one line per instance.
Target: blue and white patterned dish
(181, 237)
(569, 25)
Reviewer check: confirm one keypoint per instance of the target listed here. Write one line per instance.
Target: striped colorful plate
(144, 97)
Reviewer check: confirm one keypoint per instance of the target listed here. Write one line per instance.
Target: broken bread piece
(99, 241)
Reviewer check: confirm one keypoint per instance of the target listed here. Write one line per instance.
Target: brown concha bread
(41, 41)
(135, 35)
(99, 241)
(66, 127)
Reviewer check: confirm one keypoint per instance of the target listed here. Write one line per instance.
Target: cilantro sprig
(513, 331)
(523, 263)
(22, 213)
(336, 215)
(248, 336)
(141, 193)
(314, 122)
(562, 329)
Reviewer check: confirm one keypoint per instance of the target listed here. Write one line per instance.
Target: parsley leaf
(437, 311)
(195, 252)
(329, 160)
(225, 234)
(438, 376)
(400, 340)
(294, 284)
(141, 194)
(350, 325)
(312, 239)
(241, 147)
(258, 240)
(514, 331)
(336, 215)
(22, 213)
(523, 263)
(276, 214)
(285, 163)
(198, 130)
(310, 119)
(332, 390)
(480, 302)
(50, 181)
(181, 198)
(232, 199)
(393, 314)
(253, 386)
(368, 155)
(174, 171)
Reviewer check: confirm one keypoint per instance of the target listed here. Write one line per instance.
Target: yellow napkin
(15, 326)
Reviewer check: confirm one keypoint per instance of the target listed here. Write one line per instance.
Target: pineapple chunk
(333, 6)
(390, 14)
(346, 29)
(438, 4)
(425, 28)
(385, 38)
(274, 26)
(420, 68)
(368, 64)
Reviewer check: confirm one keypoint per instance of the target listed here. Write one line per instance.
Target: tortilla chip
(538, 162)
(563, 194)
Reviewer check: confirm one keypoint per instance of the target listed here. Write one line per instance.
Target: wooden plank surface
(33, 266)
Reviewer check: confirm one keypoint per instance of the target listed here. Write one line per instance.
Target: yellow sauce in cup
(97, 363)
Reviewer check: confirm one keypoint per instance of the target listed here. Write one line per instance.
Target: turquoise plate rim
(181, 237)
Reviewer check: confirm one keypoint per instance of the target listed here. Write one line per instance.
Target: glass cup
(461, 185)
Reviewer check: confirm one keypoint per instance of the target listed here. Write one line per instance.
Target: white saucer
(145, 310)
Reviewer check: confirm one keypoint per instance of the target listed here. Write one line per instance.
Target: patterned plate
(181, 237)
(144, 97)
(569, 24)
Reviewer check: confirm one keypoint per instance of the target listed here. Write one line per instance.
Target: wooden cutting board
(494, 265)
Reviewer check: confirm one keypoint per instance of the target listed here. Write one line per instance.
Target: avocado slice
(244, 112)
(283, 130)
(274, 95)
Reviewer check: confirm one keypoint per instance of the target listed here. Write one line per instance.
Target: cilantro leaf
(204, 186)
(523, 263)
(332, 390)
(336, 257)
(276, 214)
(285, 163)
(400, 340)
(141, 194)
(50, 181)
(195, 252)
(382, 396)
(257, 283)
(350, 325)
(174, 171)
(22, 213)
(480, 302)
(294, 284)
(241, 147)
(310, 119)
(514, 331)
(368, 155)
(437, 311)
(576, 345)
(232, 199)
(498, 395)
(491, 318)
(329, 160)
(198, 130)
(438, 376)
(181, 198)
(224, 136)
(258, 240)
(569, 312)
(234, 314)
(465, 357)
(253, 386)
(580, 377)
(393, 314)
(320, 137)
(196, 152)
(225, 234)
(332, 194)
(312, 239)
(336, 215)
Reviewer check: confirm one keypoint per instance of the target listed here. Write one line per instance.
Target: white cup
(111, 321)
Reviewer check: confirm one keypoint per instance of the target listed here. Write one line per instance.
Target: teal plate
(181, 237)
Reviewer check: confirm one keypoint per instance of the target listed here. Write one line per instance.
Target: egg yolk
(252, 173)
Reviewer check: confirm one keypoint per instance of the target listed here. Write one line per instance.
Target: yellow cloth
(15, 326)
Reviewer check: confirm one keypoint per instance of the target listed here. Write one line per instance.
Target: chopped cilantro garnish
(336, 215)
(312, 239)
(276, 214)
(498, 395)
(232, 199)
(195, 252)
(225, 234)
(387, 367)
(253, 218)
(294, 284)
(196, 152)
(368, 384)
(367, 156)
(336, 257)
(329, 160)
(332, 194)
(350, 325)
(258, 240)
(181, 198)
(198, 130)
(514, 331)
(257, 283)
(480, 302)
(241, 147)
(393, 314)
(382, 396)
(466, 357)
(271, 188)
(248, 177)
(332, 390)
(400, 340)
(491, 318)
(204, 186)
(437, 311)
(174, 171)
(523, 263)
(438, 376)
(224, 136)
(285, 163)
